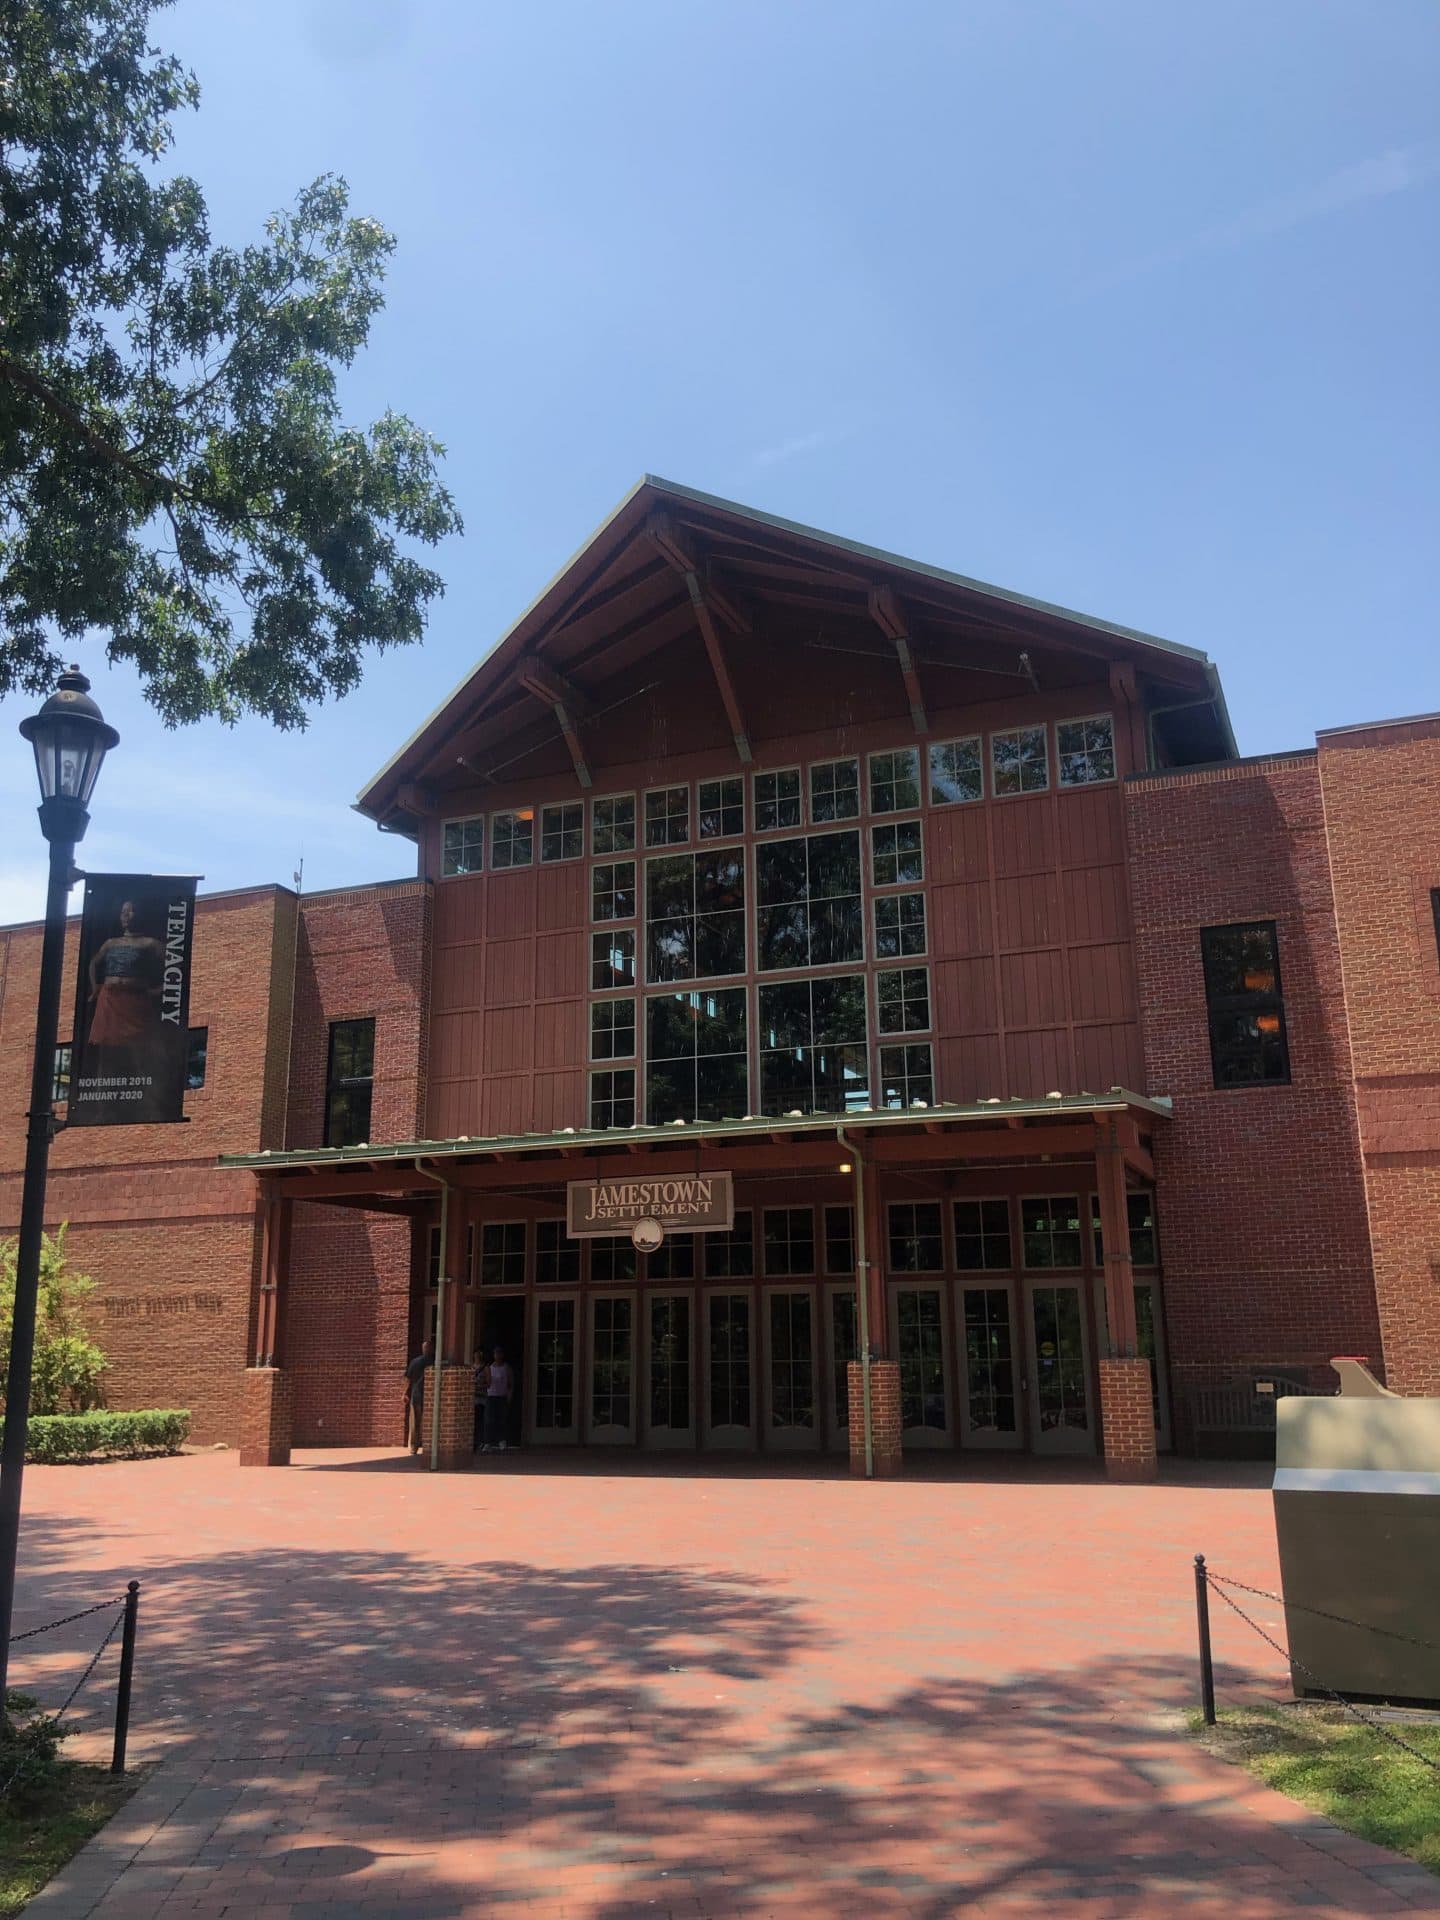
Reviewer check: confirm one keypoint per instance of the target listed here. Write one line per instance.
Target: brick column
(1127, 1420)
(456, 1387)
(884, 1417)
(267, 1409)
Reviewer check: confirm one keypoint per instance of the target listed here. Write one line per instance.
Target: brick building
(1077, 1081)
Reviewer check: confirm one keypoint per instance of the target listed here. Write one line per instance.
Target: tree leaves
(174, 467)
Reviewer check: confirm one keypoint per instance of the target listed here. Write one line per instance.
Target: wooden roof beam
(886, 612)
(708, 602)
(567, 703)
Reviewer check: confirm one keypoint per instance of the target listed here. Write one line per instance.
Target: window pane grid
(555, 1366)
(667, 817)
(1050, 1231)
(557, 1256)
(982, 1235)
(502, 1253)
(899, 925)
(612, 1029)
(1085, 750)
(612, 824)
(612, 959)
(613, 1259)
(834, 791)
(612, 1098)
(917, 1243)
(695, 915)
(562, 831)
(462, 846)
(989, 1360)
(809, 911)
(814, 1050)
(789, 1240)
(611, 1363)
(907, 1075)
(1019, 761)
(731, 1256)
(512, 838)
(777, 799)
(903, 999)
(696, 1056)
(897, 854)
(840, 1241)
(957, 772)
(673, 1259)
(721, 808)
(792, 1362)
(348, 1083)
(922, 1360)
(612, 891)
(895, 781)
(729, 1316)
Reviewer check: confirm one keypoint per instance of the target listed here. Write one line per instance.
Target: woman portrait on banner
(125, 979)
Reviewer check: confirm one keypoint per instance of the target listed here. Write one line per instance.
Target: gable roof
(623, 589)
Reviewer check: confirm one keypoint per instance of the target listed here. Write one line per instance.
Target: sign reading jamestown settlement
(687, 1202)
(132, 1000)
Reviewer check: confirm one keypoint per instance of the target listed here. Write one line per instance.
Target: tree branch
(54, 403)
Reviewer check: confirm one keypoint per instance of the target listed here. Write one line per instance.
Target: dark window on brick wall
(197, 1053)
(60, 1087)
(349, 1078)
(1246, 1009)
(1435, 909)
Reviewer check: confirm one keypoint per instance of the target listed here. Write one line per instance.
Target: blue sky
(1126, 306)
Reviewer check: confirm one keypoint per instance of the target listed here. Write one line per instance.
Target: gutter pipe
(862, 1296)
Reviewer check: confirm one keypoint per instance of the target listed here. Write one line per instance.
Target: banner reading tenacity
(132, 1000)
(693, 1203)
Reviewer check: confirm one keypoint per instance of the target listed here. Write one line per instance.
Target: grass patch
(1324, 1759)
(37, 1838)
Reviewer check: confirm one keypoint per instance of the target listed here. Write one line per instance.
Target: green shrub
(88, 1436)
(29, 1749)
(66, 1376)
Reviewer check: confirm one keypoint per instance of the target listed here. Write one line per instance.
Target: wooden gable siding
(1029, 936)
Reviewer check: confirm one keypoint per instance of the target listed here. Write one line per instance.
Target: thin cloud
(792, 449)
(1397, 170)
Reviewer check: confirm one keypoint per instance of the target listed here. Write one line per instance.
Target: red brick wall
(167, 1236)
(1381, 788)
(346, 1316)
(1261, 1201)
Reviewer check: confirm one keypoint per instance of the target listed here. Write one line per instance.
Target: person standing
(499, 1385)
(415, 1397)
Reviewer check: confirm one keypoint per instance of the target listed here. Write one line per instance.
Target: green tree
(174, 469)
(68, 1364)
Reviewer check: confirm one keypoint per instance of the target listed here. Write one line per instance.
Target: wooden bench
(1237, 1421)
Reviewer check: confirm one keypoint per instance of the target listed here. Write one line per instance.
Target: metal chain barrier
(1219, 1583)
(1319, 1613)
(70, 1698)
(84, 1613)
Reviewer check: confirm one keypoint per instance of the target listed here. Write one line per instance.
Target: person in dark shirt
(415, 1396)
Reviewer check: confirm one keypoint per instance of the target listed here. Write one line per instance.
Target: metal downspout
(444, 1186)
(862, 1297)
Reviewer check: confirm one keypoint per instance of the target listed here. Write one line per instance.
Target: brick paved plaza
(597, 1688)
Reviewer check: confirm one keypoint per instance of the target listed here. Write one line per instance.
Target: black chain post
(127, 1670)
(1202, 1621)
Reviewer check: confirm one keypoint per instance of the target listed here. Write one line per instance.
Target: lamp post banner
(689, 1202)
(132, 1000)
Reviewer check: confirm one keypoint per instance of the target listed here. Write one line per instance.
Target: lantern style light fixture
(70, 739)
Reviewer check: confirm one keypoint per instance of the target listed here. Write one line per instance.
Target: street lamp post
(70, 739)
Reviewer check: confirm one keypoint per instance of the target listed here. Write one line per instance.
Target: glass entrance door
(989, 1366)
(792, 1410)
(669, 1375)
(1061, 1420)
(842, 1345)
(729, 1370)
(917, 1330)
(611, 1409)
(555, 1419)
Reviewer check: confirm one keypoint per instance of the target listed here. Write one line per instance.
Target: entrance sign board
(686, 1203)
(132, 1000)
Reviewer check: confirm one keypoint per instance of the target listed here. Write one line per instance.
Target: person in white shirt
(499, 1385)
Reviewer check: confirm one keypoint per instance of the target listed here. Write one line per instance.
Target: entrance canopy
(1061, 1126)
